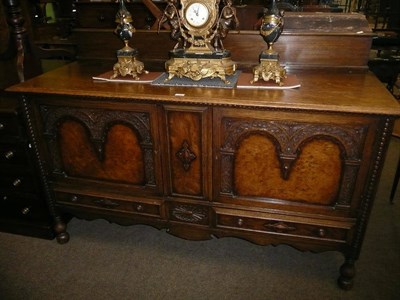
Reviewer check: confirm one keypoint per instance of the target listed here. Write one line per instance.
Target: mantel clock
(199, 26)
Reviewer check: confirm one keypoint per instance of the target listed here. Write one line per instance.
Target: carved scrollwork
(290, 135)
(227, 171)
(97, 121)
(348, 182)
(190, 213)
(279, 227)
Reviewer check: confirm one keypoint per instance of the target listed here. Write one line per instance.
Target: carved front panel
(187, 144)
(103, 144)
(314, 162)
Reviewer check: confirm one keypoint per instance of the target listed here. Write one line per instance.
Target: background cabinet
(23, 207)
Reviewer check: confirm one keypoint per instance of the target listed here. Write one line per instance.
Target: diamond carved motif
(185, 155)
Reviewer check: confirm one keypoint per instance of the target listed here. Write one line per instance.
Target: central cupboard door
(187, 141)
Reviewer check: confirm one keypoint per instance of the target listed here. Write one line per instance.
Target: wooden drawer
(305, 227)
(22, 206)
(17, 183)
(102, 15)
(9, 125)
(12, 154)
(146, 207)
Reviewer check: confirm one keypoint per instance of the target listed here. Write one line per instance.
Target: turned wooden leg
(347, 273)
(62, 235)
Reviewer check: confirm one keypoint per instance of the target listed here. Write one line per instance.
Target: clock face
(197, 14)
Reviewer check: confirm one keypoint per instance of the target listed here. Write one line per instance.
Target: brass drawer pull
(240, 222)
(25, 211)
(10, 154)
(1, 126)
(17, 182)
(139, 208)
(321, 232)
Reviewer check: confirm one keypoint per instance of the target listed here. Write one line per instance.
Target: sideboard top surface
(321, 90)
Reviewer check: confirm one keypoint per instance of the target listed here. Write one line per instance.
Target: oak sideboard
(296, 166)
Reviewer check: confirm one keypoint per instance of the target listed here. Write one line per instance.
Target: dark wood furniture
(297, 167)
(395, 134)
(23, 208)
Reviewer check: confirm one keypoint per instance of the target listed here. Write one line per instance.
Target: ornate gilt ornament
(199, 27)
(271, 28)
(127, 57)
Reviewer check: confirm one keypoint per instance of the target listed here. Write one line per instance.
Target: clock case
(199, 52)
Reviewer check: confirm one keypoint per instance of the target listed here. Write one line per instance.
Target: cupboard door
(311, 162)
(188, 144)
(103, 145)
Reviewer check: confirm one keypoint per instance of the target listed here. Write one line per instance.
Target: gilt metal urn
(127, 63)
(271, 28)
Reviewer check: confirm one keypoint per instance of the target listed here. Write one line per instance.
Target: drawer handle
(279, 227)
(25, 211)
(139, 208)
(10, 154)
(321, 232)
(4, 198)
(1, 126)
(101, 18)
(17, 182)
(240, 222)
(106, 203)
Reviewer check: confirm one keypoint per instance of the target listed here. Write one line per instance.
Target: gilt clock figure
(199, 26)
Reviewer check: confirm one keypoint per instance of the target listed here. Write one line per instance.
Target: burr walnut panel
(123, 156)
(314, 176)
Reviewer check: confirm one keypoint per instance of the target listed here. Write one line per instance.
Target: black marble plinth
(180, 53)
(127, 52)
(269, 55)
